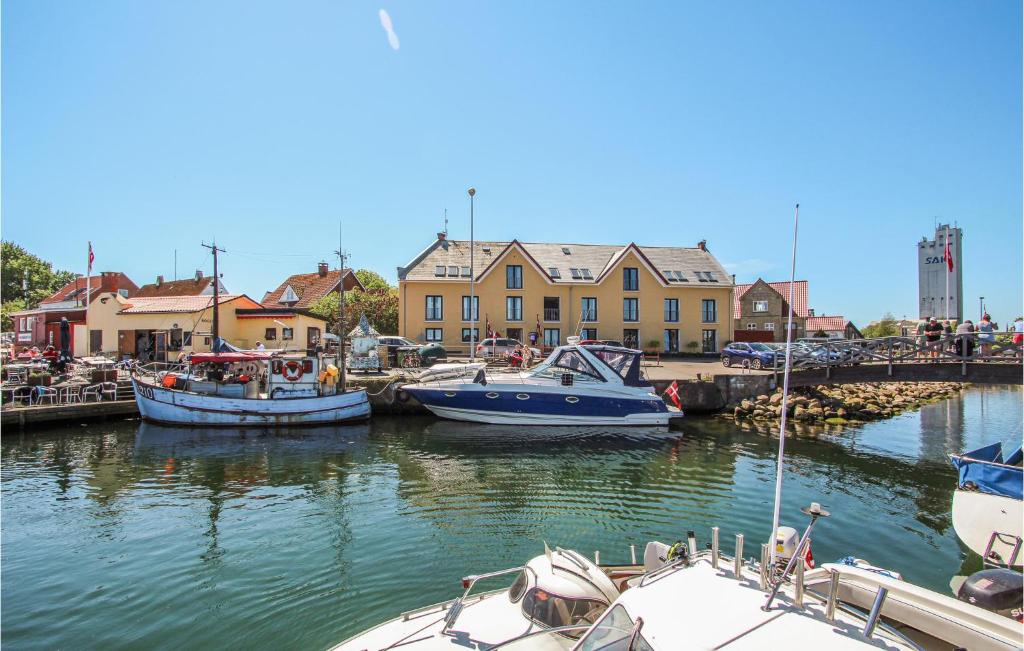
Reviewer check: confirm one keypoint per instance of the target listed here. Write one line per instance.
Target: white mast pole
(472, 282)
(950, 249)
(785, 395)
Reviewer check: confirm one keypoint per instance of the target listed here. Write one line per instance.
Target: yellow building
(161, 328)
(672, 299)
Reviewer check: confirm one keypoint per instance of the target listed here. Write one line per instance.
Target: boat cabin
(252, 374)
(593, 363)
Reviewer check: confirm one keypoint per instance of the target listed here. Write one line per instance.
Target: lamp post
(472, 279)
(981, 307)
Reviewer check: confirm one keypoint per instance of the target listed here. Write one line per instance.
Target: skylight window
(487, 249)
(453, 271)
(554, 272)
(701, 276)
(465, 272)
(586, 274)
(439, 270)
(575, 273)
(668, 275)
(566, 250)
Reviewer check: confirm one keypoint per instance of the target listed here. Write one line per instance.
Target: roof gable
(307, 289)
(514, 244)
(616, 259)
(186, 287)
(780, 288)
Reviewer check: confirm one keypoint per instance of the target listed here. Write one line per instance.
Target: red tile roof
(310, 288)
(187, 287)
(68, 292)
(825, 324)
(161, 304)
(799, 296)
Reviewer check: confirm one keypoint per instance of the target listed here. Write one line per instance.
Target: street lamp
(472, 279)
(981, 307)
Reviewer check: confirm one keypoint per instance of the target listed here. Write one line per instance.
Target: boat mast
(785, 396)
(216, 291)
(340, 355)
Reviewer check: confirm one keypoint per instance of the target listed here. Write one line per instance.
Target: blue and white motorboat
(987, 504)
(576, 385)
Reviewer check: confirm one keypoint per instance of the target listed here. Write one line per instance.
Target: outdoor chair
(18, 376)
(70, 394)
(44, 394)
(23, 394)
(100, 391)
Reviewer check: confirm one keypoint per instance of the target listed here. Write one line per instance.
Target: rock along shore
(840, 404)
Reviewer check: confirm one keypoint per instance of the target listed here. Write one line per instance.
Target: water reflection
(271, 539)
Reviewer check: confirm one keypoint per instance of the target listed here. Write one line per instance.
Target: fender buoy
(402, 396)
(292, 371)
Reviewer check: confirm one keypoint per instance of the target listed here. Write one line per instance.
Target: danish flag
(949, 253)
(673, 392)
(91, 257)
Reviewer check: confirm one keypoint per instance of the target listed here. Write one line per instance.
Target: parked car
(603, 342)
(500, 346)
(403, 346)
(755, 355)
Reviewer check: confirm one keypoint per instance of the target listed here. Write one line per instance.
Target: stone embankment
(839, 404)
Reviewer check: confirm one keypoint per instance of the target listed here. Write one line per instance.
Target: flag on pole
(949, 254)
(673, 393)
(91, 258)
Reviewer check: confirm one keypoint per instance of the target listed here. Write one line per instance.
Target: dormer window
(289, 295)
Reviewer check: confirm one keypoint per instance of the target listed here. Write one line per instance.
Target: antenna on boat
(340, 356)
(216, 291)
(785, 396)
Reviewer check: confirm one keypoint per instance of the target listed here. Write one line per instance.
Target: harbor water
(133, 536)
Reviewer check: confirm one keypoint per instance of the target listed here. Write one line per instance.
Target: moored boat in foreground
(575, 385)
(988, 511)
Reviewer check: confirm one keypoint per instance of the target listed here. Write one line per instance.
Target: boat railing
(627, 633)
(468, 582)
(153, 368)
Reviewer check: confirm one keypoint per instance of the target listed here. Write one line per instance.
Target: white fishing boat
(576, 385)
(242, 388)
(988, 511)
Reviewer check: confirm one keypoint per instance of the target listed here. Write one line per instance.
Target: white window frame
(760, 306)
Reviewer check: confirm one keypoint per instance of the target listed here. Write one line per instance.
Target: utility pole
(340, 358)
(216, 291)
(472, 279)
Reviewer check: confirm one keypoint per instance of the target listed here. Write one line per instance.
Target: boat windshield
(614, 633)
(552, 610)
(568, 361)
(618, 360)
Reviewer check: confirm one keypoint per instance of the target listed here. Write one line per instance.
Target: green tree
(17, 264)
(379, 305)
(887, 327)
(371, 280)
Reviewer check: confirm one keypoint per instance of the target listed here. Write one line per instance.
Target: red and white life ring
(291, 370)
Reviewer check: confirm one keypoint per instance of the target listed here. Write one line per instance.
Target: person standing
(965, 339)
(921, 325)
(933, 333)
(947, 335)
(1018, 333)
(986, 335)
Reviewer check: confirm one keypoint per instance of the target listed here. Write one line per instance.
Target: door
(125, 343)
(95, 342)
(160, 346)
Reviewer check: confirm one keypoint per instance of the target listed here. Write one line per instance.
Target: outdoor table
(97, 362)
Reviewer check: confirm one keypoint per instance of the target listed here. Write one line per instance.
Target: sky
(151, 127)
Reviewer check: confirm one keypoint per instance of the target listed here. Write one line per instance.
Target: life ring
(291, 370)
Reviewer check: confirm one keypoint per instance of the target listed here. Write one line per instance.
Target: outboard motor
(786, 540)
(1000, 590)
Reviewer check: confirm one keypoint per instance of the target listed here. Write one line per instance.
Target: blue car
(755, 355)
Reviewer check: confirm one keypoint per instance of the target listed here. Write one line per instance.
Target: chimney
(321, 269)
(159, 280)
(702, 245)
(199, 274)
(810, 311)
(108, 281)
(442, 236)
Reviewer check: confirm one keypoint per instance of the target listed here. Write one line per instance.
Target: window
(631, 338)
(270, 334)
(630, 309)
(287, 333)
(672, 310)
(769, 326)
(466, 334)
(586, 274)
(514, 308)
(551, 308)
(552, 337)
(186, 341)
(751, 326)
(513, 276)
(588, 309)
(575, 273)
(453, 271)
(615, 634)
(554, 273)
(588, 333)
(173, 338)
(123, 293)
(312, 336)
(630, 279)
(573, 361)
(700, 276)
(671, 340)
(439, 270)
(710, 340)
(516, 334)
(434, 334)
(466, 316)
(566, 250)
(435, 308)
(553, 611)
(464, 272)
(708, 311)
(760, 306)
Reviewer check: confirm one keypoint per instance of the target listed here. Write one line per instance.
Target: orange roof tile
(799, 296)
(187, 287)
(309, 288)
(159, 304)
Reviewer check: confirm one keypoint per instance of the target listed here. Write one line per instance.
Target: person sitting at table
(50, 354)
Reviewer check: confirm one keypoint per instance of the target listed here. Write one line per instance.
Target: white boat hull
(174, 407)
(659, 419)
(976, 515)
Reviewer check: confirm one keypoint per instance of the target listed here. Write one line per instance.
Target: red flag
(809, 557)
(91, 258)
(949, 254)
(673, 392)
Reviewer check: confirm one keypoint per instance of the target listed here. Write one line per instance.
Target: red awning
(227, 358)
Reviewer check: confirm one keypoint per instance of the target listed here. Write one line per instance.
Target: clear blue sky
(150, 126)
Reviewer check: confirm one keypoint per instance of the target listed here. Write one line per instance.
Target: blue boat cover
(980, 468)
